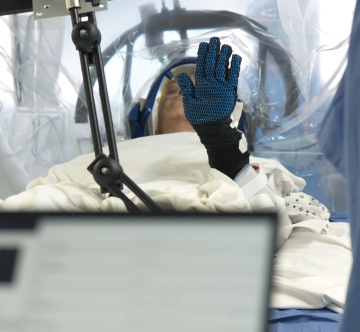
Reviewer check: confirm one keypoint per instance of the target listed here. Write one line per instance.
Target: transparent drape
(40, 89)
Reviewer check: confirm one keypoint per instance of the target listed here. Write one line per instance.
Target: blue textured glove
(214, 95)
(208, 105)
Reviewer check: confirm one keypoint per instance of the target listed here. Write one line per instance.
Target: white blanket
(173, 170)
(311, 270)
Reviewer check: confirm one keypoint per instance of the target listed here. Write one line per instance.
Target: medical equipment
(20, 242)
(155, 273)
(49, 9)
(86, 36)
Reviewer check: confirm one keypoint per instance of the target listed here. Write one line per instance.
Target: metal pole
(84, 60)
(116, 192)
(116, 177)
(140, 193)
(105, 104)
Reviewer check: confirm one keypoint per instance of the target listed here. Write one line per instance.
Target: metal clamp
(72, 4)
(44, 9)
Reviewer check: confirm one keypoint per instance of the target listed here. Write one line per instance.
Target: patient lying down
(196, 162)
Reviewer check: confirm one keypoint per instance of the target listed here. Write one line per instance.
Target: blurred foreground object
(155, 273)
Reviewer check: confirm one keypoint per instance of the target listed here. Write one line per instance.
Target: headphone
(141, 111)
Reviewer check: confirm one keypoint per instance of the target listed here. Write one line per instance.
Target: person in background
(339, 139)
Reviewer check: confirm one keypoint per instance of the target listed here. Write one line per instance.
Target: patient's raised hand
(209, 104)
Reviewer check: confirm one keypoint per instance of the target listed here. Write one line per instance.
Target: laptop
(148, 273)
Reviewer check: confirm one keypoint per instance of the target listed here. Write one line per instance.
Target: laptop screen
(130, 273)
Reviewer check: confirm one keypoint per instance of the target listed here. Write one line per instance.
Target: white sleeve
(294, 209)
(253, 182)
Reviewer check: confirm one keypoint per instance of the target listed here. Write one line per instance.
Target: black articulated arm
(106, 170)
(86, 36)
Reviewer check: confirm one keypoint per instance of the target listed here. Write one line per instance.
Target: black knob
(106, 172)
(86, 36)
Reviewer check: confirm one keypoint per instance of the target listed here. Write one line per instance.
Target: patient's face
(171, 111)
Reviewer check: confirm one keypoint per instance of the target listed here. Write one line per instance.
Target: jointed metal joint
(72, 4)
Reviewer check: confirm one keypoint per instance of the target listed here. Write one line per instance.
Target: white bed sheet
(311, 270)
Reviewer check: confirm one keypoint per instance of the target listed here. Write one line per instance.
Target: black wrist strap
(222, 145)
(217, 133)
(228, 160)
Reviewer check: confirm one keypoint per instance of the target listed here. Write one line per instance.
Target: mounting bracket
(44, 9)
